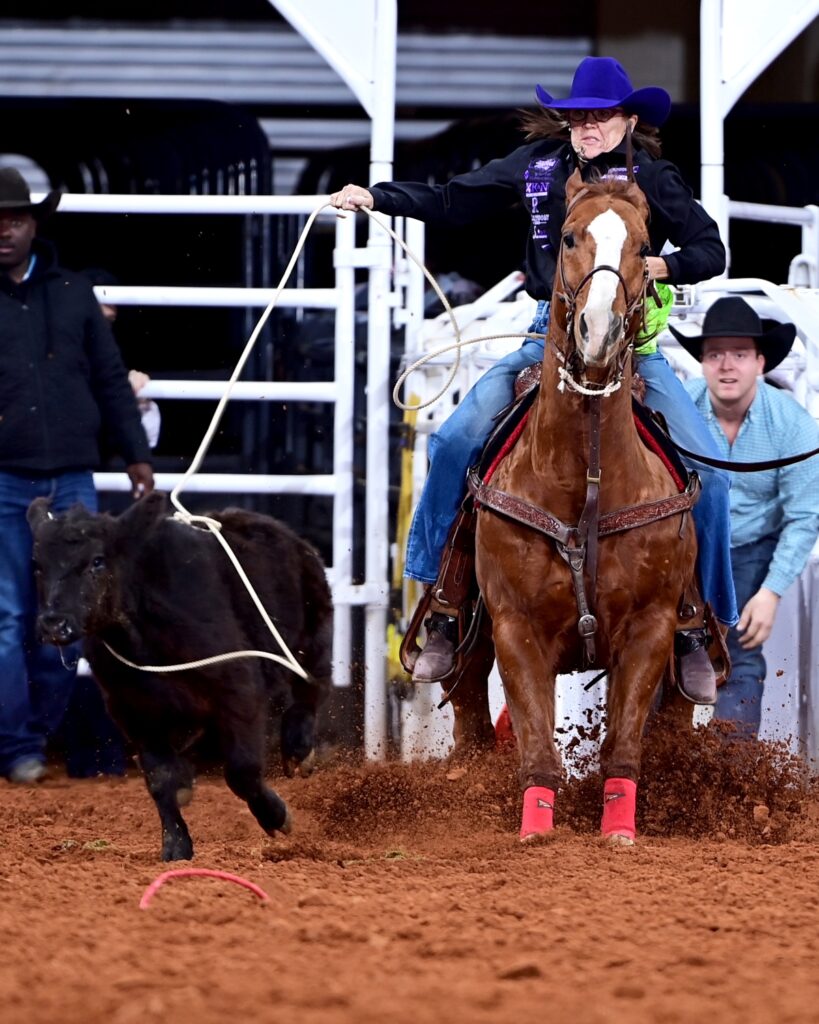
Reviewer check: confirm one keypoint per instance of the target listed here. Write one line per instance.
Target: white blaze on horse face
(598, 325)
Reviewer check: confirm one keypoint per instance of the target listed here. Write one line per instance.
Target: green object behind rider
(656, 319)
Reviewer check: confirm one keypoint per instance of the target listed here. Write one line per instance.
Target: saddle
(456, 587)
(651, 427)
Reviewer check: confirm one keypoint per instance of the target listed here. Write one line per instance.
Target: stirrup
(410, 649)
(469, 623)
(437, 659)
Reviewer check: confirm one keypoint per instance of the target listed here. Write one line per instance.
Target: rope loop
(184, 516)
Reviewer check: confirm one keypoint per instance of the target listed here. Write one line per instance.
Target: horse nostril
(616, 329)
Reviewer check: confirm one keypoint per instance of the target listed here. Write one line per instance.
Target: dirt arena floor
(404, 896)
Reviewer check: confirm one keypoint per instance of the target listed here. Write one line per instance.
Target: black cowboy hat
(16, 195)
(733, 317)
(602, 82)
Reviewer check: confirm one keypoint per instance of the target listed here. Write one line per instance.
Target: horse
(560, 597)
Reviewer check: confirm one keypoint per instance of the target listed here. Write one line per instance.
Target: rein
(745, 467)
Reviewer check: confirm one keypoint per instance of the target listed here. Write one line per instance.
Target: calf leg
(166, 775)
(298, 730)
(243, 744)
(298, 738)
(187, 780)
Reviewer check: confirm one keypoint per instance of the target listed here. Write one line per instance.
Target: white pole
(378, 390)
(343, 442)
(712, 179)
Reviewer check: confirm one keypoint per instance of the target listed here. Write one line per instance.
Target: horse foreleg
(473, 731)
(529, 683)
(633, 680)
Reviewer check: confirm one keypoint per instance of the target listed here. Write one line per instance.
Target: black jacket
(536, 175)
(63, 384)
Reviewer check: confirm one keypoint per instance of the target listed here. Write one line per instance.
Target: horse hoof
(536, 838)
(618, 839)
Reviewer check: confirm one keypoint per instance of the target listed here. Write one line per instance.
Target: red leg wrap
(619, 806)
(538, 811)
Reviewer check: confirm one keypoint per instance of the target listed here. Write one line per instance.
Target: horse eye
(645, 249)
(568, 240)
(97, 563)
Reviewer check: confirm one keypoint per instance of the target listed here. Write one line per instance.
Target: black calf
(160, 592)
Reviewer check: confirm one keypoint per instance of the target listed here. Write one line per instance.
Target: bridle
(572, 373)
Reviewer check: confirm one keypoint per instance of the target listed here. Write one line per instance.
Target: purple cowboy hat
(732, 317)
(15, 195)
(602, 82)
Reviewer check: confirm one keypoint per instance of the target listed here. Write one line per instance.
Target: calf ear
(142, 515)
(38, 512)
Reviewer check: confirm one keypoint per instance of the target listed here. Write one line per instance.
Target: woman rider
(588, 131)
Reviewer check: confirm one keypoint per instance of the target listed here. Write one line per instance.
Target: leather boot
(696, 681)
(438, 656)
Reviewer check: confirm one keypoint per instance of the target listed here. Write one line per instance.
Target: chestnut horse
(562, 601)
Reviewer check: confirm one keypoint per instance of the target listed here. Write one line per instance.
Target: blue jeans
(35, 684)
(740, 698)
(455, 446)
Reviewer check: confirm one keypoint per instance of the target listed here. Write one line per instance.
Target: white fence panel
(340, 392)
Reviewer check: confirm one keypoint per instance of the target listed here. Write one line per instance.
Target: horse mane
(619, 188)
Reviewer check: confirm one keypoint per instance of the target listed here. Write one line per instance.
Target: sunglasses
(576, 117)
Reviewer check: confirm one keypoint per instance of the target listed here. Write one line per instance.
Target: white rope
(213, 525)
(459, 341)
(593, 392)
(201, 663)
(459, 344)
(183, 515)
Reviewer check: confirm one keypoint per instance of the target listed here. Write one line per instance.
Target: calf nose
(56, 629)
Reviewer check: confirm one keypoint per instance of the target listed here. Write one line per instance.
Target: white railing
(338, 484)
(804, 268)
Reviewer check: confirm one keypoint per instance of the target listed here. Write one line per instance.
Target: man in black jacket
(63, 385)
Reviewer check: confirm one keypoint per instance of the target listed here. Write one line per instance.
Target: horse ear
(573, 186)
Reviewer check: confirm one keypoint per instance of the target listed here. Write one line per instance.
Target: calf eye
(97, 563)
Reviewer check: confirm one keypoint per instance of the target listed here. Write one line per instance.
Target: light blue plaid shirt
(783, 501)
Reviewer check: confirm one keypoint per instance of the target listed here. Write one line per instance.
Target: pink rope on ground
(150, 892)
